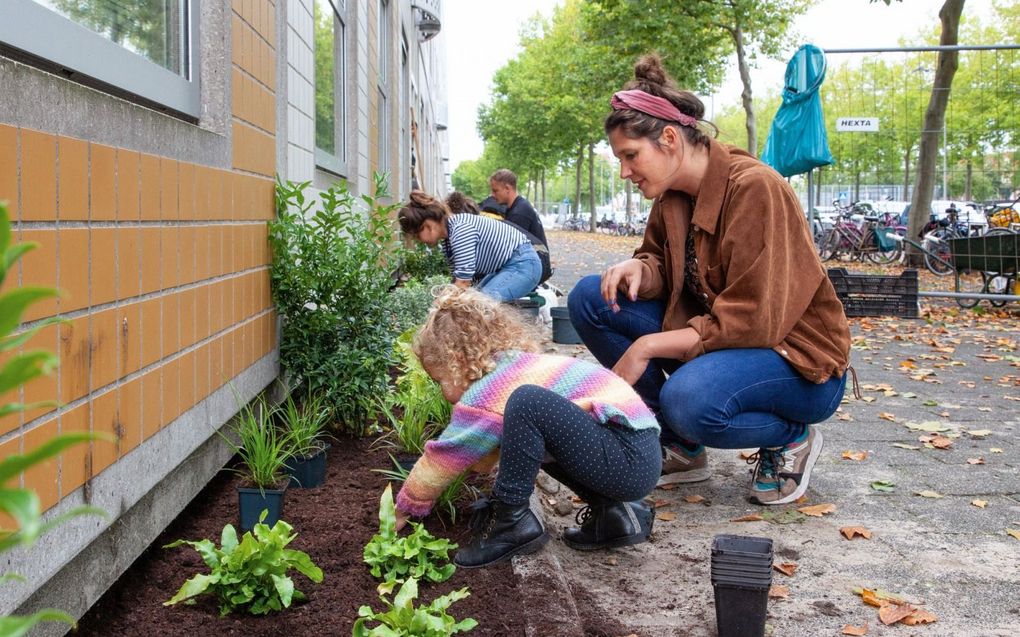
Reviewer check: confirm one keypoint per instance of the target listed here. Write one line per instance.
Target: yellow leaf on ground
(875, 597)
(919, 616)
(908, 365)
(845, 417)
(905, 446)
(849, 629)
(817, 510)
(1014, 532)
(778, 591)
(693, 499)
(995, 450)
(928, 425)
(980, 433)
(855, 455)
(868, 399)
(754, 517)
(786, 568)
(975, 460)
(887, 416)
(850, 532)
(890, 613)
(661, 503)
(930, 494)
(979, 503)
(665, 516)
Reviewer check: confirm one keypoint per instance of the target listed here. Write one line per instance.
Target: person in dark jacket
(503, 184)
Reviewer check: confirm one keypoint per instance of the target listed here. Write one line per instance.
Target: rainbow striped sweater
(472, 438)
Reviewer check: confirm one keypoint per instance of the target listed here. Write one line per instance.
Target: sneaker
(680, 466)
(781, 474)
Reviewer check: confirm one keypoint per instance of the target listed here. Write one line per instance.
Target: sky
(482, 35)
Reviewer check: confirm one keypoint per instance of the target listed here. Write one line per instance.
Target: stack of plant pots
(741, 577)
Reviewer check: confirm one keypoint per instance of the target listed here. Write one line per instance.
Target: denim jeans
(516, 278)
(730, 399)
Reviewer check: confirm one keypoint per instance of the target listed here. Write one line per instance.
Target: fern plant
(403, 619)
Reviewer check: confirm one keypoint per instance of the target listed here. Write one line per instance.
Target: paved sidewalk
(944, 552)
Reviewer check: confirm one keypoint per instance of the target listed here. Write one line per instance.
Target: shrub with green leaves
(402, 619)
(409, 304)
(334, 260)
(422, 262)
(418, 554)
(251, 574)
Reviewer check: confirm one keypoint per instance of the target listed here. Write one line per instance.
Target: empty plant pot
(741, 576)
(251, 503)
(563, 331)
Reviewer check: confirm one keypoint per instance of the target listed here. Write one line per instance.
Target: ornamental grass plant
(262, 447)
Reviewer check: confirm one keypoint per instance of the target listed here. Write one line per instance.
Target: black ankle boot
(610, 524)
(505, 531)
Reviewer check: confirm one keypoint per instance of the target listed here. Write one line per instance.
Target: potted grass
(304, 425)
(263, 450)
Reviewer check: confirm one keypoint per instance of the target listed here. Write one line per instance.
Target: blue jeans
(516, 278)
(730, 399)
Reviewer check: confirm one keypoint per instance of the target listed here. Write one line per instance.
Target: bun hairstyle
(458, 202)
(420, 207)
(466, 330)
(651, 77)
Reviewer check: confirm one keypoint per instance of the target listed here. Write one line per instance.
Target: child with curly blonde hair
(590, 429)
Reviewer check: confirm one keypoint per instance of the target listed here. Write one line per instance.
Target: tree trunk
(934, 120)
(591, 186)
(745, 94)
(544, 206)
(906, 171)
(577, 179)
(857, 184)
(967, 184)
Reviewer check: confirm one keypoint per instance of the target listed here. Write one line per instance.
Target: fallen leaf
(883, 485)
(612, 561)
(890, 613)
(905, 446)
(845, 417)
(817, 510)
(930, 494)
(786, 568)
(980, 433)
(849, 629)
(930, 403)
(979, 503)
(887, 416)
(754, 517)
(941, 442)
(1014, 532)
(868, 399)
(746, 454)
(855, 455)
(849, 532)
(875, 597)
(929, 426)
(665, 516)
(984, 408)
(909, 394)
(995, 450)
(919, 616)
(975, 460)
(693, 499)
(908, 365)
(778, 591)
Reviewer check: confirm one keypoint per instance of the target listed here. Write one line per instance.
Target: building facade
(139, 148)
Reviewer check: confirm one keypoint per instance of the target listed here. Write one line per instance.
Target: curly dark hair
(420, 207)
(458, 202)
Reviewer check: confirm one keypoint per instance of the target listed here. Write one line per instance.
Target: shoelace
(767, 462)
(479, 513)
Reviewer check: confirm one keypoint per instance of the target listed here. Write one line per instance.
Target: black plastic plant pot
(307, 473)
(742, 546)
(739, 610)
(563, 331)
(251, 503)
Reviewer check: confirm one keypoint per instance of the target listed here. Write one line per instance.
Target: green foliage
(262, 447)
(250, 574)
(325, 93)
(331, 272)
(451, 496)
(422, 262)
(22, 504)
(418, 555)
(409, 304)
(304, 424)
(402, 618)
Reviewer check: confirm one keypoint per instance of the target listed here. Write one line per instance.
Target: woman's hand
(623, 277)
(633, 363)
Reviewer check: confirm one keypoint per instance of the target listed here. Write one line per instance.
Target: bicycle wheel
(876, 254)
(999, 284)
(972, 281)
(829, 245)
(938, 247)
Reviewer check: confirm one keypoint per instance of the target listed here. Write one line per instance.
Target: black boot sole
(524, 549)
(627, 540)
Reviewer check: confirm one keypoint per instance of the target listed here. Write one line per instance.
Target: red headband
(652, 105)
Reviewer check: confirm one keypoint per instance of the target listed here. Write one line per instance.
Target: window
(330, 96)
(142, 48)
(382, 107)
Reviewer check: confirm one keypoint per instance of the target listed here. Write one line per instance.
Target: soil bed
(333, 523)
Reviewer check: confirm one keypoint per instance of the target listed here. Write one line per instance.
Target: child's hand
(401, 520)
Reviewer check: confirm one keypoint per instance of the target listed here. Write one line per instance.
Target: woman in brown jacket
(724, 320)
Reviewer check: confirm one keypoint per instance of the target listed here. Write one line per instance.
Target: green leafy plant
(334, 261)
(250, 574)
(418, 555)
(305, 423)
(23, 504)
(402, 618)
(422, 262)
(261, 446)
(452, 495)
(409, 303)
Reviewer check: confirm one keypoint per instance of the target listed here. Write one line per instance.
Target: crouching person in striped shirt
(577, 420)
(474, 246)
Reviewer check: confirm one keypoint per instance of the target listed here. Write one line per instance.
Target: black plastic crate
(875, 294)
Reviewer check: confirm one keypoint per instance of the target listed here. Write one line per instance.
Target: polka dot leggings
(597, 461)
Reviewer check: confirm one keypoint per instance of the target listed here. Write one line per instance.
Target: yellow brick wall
(163, 266)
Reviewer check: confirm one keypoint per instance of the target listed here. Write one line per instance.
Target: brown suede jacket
(763, 283)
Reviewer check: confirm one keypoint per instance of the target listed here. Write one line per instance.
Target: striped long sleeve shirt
(478, 245)
(476, 425)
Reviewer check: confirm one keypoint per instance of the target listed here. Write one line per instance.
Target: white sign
(857, 124)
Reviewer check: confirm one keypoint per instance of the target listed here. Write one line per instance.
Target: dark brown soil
(333, 522)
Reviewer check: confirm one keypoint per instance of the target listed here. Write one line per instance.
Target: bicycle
(869, 239)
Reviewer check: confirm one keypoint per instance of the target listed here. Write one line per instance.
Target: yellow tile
(128, 179)
(168, 190)
(187, 375)
(188, 309)
(75, 461)
(171, 391)
(75, 358)
(150, 187)
(152, 402)
(188, 248)
(129, 326)
(171, 324)
(42, 388)
(9, 169)
(202, 187)
(237, 92)
(170, 256)
(186, 191)
(39, 268)
(38, 176)
(73, 191)
(103, 265)
(202, 325)
(202, 373)
(102, 182)
(105, 421)
(105, 349)
(217, 179)
(128, 262)
(43, 478)
(217, 375)
(151, 331)
(152, 265)
(202, 252)
(129, 410)
(73, 276)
